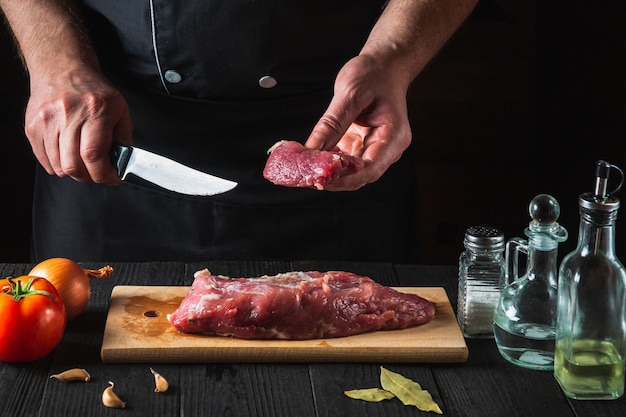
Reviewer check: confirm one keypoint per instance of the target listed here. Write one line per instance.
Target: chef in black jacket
(214, 84)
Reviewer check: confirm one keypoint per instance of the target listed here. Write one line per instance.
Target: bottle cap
(601, 198)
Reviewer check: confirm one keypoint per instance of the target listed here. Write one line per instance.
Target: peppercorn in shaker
(481, 280)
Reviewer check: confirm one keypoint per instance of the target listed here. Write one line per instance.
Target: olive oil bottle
(591, 311)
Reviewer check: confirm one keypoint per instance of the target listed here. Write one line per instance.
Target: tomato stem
(17, 291)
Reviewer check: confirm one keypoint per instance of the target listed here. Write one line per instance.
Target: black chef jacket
(214, 84)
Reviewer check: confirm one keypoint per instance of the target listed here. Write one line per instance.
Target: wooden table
(486, 385)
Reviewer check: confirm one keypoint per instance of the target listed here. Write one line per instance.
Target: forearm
(49, 35)
(73, 113)
(409, 33)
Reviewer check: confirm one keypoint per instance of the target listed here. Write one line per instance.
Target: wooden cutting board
(137, 331)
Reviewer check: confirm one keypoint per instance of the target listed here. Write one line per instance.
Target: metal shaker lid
(484, 237)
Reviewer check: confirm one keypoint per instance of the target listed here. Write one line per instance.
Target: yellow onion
(71, 281)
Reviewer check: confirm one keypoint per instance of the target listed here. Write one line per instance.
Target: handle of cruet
(513, 247)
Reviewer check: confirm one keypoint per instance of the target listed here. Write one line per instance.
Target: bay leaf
(372, 395)
(408, 391)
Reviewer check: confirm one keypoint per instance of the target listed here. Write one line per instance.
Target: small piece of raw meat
(292, 165)
(296, 305)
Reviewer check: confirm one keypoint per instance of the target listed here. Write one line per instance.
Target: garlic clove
(110, 398)
(161, 384)
(74, 374)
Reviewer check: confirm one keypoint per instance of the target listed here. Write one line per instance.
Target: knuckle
(90, 154)
(331, 122)
(93, 103)
(31, 129)
(70, 171)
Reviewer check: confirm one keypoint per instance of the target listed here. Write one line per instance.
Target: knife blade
(166, 173)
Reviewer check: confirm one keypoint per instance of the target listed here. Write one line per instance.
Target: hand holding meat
(72, 118)
(367, 118)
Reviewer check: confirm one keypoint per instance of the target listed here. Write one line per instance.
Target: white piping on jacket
(154, 45)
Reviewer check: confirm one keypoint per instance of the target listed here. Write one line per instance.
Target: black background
(524, 99)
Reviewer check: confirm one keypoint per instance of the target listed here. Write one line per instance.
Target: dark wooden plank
(329, 381)
(14, 270)
(599, 408)
(246, 390)
(21, 387)
(487, 385)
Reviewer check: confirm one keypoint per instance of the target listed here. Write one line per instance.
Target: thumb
(332, 125)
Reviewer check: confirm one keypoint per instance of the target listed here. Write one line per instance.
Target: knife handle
(120, 155)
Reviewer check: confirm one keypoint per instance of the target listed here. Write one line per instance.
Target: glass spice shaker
(591, 320)
(481, 280)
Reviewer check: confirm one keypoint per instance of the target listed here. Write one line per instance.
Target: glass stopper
(544, 209)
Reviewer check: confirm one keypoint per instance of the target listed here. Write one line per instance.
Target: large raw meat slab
(137, 331)
(296, 305)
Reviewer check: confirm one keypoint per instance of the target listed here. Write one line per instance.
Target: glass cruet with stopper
(591, 326)
(525, 316)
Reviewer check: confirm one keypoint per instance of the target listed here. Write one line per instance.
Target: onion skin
(71, 281)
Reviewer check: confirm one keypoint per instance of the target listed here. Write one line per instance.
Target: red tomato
(32, 318)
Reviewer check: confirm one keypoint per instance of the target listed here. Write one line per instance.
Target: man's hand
(74, 113)
(367, 117)
(368, 113)
(72, 118)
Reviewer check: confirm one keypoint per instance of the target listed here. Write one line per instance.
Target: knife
(166, 173)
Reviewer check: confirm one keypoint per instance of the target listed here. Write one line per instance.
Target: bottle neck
(542, 258)
(596, 233)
